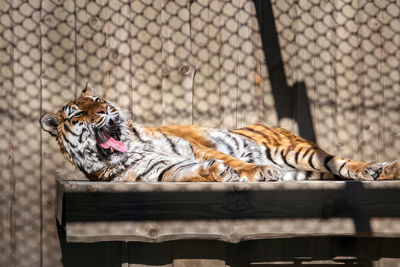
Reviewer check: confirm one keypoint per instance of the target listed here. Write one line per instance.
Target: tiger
(95, 136)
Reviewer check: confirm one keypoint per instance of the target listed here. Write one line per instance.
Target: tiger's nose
(103, 109)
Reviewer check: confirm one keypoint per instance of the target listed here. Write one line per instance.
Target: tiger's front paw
(221, 172)
(261, 173)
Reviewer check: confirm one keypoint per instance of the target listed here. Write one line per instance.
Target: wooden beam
(231, 212)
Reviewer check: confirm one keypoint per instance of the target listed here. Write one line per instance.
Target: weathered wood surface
(230, 212)
(315, 251)
(325, 69)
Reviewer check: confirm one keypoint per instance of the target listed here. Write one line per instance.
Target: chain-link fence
(328, 70)
(346, 54)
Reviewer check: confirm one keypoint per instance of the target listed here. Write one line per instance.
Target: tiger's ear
(49, 123)
(88, 90)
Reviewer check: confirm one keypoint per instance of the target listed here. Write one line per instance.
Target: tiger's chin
(109, 148)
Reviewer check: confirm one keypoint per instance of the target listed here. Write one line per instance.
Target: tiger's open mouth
(108, 139)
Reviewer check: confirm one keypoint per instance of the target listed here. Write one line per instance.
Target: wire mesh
(345, 53)
(328, 70)
(20, 93)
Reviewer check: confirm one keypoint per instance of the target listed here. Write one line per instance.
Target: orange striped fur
(95, 136)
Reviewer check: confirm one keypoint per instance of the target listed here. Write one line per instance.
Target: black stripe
(67, 129)
(321, 176)
(285, 161)
(268, 154)
(171, 144)
(136, 133)
(308, 174)
(266, 136)
(310, 161)
(66, 140)
(234, 139)
(246, 143)
(80, 136)
(191, 148)
(161, 175)
(134, 161)
(327, 159)
(257, 132)
(149, 169)
(264, 126)
(341, 167)
(121, 170)
(305, 154)
(222, 141)
(276, 151)
(80, 153)
(296, 156)
(179, 168)
(248, 137)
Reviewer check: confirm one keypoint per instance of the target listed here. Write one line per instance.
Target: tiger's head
(91, 133)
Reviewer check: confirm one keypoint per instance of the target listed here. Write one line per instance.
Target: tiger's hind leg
(321, 162)
(390, 171)
(290, 152)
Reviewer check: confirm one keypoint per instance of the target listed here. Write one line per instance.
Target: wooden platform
(230, 212)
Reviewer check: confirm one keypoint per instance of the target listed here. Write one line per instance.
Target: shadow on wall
(287, 99)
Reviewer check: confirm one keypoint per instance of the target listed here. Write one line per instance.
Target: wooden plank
(142, 254)
(58, 87)
(212, 254)
(307, 52)
(90, 46)
(115, 20)
(290, 31)
(389, 18)
(206, 44)
(228, 87)
(262, 80)
(7, 230)
(241, 101)
(177, 63)
(260, 72)
(87, 43)
(277, 22)
(387, 262)
(231, 212)
(371, 56)
(103, 50)
(246, 64)
(26, 133)
(146, 47)
(349, 102)
(98, 254)
(305, 251)
(322, 88)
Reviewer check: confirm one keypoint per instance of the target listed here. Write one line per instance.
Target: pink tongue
(111, 142)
